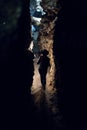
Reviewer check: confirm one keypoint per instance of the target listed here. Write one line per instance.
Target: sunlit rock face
(45, 39)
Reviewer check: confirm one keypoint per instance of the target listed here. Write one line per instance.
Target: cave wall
(46, 34)
(16, 65)
(70, 50)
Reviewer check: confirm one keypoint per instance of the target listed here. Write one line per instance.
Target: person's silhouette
(44, 62)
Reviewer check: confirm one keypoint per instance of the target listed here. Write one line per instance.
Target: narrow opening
(43, 17)
(36, 13)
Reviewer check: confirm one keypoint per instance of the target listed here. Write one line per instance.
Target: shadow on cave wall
(70, 49)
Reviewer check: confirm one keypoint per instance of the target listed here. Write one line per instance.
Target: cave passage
(36, 14)
(42, 31)
(45, 101)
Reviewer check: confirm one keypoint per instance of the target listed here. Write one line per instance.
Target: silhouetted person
(44, 62)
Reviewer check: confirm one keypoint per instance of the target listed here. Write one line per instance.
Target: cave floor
(46, 102)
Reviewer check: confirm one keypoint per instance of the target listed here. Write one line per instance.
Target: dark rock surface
(16, 65)
(70, 49)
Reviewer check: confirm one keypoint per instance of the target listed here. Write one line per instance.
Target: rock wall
(70, 49)
(46, 34)
(16, 65)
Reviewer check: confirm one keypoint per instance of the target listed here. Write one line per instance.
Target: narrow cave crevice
(43, 20)
(42, 33)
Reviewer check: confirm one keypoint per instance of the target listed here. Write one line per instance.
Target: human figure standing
(44, 62)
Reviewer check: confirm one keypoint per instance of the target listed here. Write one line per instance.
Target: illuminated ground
(46, 100)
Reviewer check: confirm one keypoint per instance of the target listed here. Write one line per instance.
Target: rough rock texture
(70, 48)
(46, 34)
(16, 65)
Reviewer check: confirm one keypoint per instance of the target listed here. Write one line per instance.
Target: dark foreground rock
(16, 65)
(70, 48)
